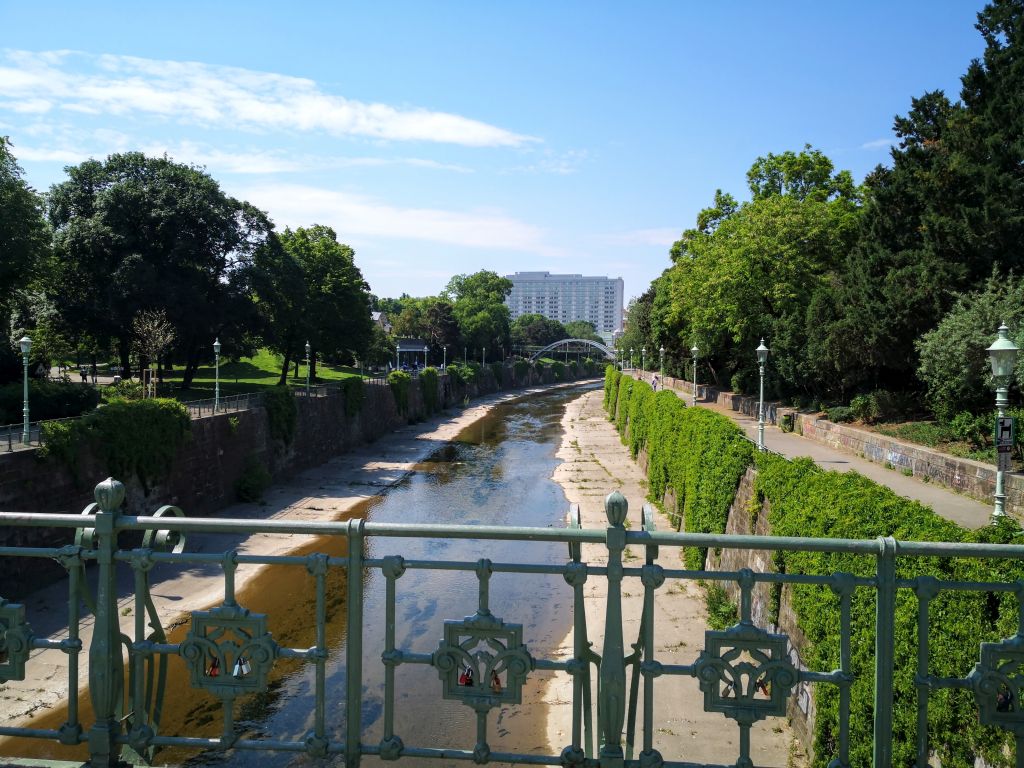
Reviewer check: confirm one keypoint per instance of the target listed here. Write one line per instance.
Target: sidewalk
(952, 506)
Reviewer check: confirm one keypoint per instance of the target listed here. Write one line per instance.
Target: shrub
(354, 391)
(862, 407)
(840, 413)
(253, 480)
(558, 371)
(126, 389)
(282, 412)
(46, 400)
(131, 437)
(400, 381)
(976, 430)
(521, 370)
(428, 389)
(498, 371)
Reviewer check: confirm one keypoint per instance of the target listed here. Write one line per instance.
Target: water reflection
(497, 472)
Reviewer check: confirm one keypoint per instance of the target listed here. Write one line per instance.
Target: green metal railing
(746, 672)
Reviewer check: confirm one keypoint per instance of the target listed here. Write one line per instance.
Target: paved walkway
(946, 503)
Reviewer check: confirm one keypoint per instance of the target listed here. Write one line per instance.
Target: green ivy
(133, 438)
(355, 392)
(282, 413)
(558, 371)
(253, 480)
(611, 389)
(806, 501)
(400, 381)
(428, 389)
(498, 370)
(521, 369)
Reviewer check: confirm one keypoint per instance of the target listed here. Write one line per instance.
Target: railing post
(613, 666)
(354, 646)
(106, 668)
(885, 639)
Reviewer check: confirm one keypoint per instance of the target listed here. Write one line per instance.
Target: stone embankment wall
(971, 478)
(202, 478)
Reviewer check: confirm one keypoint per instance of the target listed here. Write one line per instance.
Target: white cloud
(349, 214)
(878, 144)
(218, 96)
(558, 163)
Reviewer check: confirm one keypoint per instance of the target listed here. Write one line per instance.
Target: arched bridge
(574, 345)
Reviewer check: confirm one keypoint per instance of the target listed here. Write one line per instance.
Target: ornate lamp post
(762, 358)
(426, 349)
(631, 358)
(398, 356)
(444, 358)
(661, 351)
(694, 351)
(483, 356)
(216, 375)
(643, 358)
(26, 347)
(308, 348)
(1003, 356)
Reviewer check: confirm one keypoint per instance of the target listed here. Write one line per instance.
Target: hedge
(702, 456)
(428, 389)
(46, 400)
(400, 381)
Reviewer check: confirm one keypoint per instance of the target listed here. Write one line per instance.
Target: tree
(954, 363)
(24, 247)
(533, 330)
(328, 303)
(152, 335)
(136, 233)
(582, 329)
(478, 303)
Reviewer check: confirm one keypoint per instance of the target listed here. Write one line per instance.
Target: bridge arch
(605, 350)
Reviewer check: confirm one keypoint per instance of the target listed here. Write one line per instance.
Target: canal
(495, 472)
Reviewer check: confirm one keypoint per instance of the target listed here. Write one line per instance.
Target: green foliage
(558, 371)
(611, 389)
(954, 363)
(126, 389)
(722, 612)
(139, 438)
(699, 454)
(498, 371)
(805, 501)
(428, 389)
(521, 369)
(479, 307)
(282, 413)
(354, 391)
(253, 481)
(400, 382)
(46, 400)
(581, 329)
(462, 373)
(840, 413)
(536, 330)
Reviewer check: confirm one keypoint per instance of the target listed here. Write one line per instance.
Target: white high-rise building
(566, 298)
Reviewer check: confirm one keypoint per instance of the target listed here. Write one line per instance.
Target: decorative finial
(109, 494)
(616, 507)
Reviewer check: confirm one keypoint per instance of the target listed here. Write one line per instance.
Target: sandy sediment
(595, 463)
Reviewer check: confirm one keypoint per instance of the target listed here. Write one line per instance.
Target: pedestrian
(94, 372)
(495, 683)
(85, 375)
(654, 382)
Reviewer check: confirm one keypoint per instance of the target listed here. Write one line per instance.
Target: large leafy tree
(748, 270)
(24, 247)
(137, 233)
(327, 302)
(533, 330)
(582, 329)
(478, 302)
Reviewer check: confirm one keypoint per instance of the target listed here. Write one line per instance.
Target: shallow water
(496, 472)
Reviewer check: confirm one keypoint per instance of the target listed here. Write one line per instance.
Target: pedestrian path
(952, 506)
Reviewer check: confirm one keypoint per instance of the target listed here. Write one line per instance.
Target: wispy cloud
(350, 214)
(217, 96)
(879, 144)
(558, 163)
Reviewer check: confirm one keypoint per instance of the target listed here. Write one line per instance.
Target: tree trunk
(284, 370)
(312, 366)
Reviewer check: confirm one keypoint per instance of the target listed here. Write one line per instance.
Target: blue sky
(444, 138)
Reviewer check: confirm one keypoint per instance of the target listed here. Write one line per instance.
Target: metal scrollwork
(229, 651)
(745, 673)
(15, 641)
(997, 681)
(482, 662)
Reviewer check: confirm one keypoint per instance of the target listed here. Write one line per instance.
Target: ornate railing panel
(745, 672)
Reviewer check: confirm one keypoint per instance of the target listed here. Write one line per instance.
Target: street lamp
(662, 352)
(425, 350)
(216, 375)
(1003, 356)
(398, 353)
(26, 346)
(483, 356)
(307, 368)
(694, 351)
(630, 358)
(643, 358)
(444, 357)
(762, 358)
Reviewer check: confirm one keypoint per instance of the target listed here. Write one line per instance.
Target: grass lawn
(249, 374)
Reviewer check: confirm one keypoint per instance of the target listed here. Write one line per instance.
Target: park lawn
(250, 374)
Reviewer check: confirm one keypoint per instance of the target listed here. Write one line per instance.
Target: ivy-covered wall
(700, 460)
